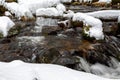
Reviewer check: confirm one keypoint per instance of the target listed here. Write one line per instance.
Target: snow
(7, 13)
(2, 2)
(18, 70)
(107, 1)
(95, 24)
(69, 14)
(5, 25)
(105, 14)
(19, 10)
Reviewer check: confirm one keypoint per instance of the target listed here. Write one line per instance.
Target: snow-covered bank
(18, 70)
(95, 25)
(105, 14)
(5, 25)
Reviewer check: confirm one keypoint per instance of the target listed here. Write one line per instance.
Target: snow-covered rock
(2, 2)
(58, 11)
(66, 1)
(95, 24)
(47, 12)
(69, 14)
(107, 1)
(19, 10)
(105, 14)
(61, 8)
(85, 1)
(5, 25)
(36, 4)
(18, 70)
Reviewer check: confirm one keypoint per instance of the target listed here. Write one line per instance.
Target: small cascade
(84, 65)
(42, 22)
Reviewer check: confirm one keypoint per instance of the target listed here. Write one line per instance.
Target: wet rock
(70, 32)
(64, 24)
(77, 24)
(110, 28)
(68, 61)
(48, 55)
(52, 30)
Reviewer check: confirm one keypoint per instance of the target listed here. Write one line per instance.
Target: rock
(64, 24)
(48, 56)
(101, 4)
(50, 30)
(110, 28)
(67, 61)
(77, 24)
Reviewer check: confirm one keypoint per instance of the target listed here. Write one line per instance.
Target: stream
(43, 41)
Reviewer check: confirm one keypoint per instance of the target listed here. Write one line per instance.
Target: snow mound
(95, 24)
(27, 71)
(5, 25)
(105, 14)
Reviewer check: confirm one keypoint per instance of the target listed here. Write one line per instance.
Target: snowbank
(95, 24)
(5, 25)
(18, 70)
(105, 14)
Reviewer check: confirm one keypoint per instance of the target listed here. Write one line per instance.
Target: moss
(1, 35)
(76, 3)
(86, 36)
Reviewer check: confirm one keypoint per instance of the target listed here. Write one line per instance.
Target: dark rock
(77, 24)
(48, 56)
